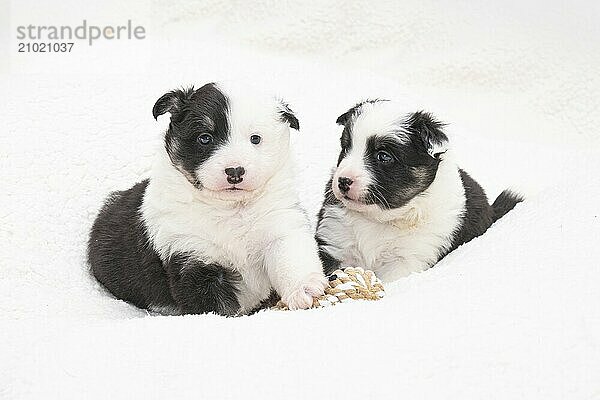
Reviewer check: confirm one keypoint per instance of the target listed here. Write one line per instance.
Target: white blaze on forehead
(382, 118)
(250, 111)
(386, 118)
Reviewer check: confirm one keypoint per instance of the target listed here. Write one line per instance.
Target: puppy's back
(121, 256)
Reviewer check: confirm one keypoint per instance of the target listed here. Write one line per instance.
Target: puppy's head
(387, 157)
(226, 143)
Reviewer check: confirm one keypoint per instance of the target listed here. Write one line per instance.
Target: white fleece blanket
(512, 314)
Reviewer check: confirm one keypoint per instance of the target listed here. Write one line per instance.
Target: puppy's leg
(200, 288)
(295, 270)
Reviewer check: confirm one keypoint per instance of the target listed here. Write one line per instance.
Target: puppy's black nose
(344, 184)
(234, 175)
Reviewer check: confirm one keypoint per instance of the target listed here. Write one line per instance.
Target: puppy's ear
(342, 119)
(345, 117)
(287, 115)
(171, 102)
(429, 131)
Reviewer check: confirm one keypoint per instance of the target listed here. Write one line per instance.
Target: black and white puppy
(397, 201)
(218, 225)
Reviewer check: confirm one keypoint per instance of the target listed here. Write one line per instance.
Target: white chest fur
(398, 242)
(235, 237)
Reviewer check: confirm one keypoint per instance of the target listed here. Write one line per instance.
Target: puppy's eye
(384, 157)
(205, 139)
(255, 139)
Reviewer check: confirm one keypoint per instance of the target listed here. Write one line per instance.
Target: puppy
(218, 225)
(397, 202)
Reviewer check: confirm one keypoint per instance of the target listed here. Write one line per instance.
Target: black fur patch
(396, 183)
(171, 102)
(121, 256)
(345, 142)
(506, 201)
(478, 216)
(194, 113)
(330, 263)
(200, 288)
(122, 259)
(425, 127)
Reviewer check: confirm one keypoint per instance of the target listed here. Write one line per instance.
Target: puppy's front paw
(302, 296)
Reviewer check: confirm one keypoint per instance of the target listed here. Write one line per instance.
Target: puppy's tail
(506, 201)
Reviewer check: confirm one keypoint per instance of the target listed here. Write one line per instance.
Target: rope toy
(347, 285)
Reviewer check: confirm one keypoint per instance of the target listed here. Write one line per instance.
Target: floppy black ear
(287, 115)
(429, 130)
(342, 119)
(171, 102)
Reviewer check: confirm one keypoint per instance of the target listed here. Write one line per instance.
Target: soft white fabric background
(511, 314)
